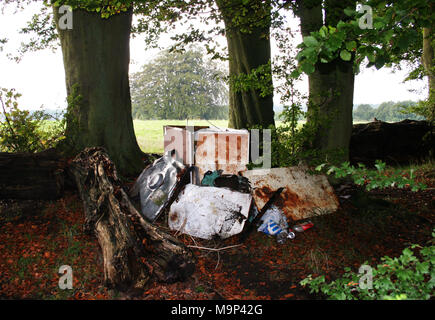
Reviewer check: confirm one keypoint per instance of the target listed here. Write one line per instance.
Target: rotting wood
(129, 263)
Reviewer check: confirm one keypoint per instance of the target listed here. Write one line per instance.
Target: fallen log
(395, 143)
(132, 256)
(36, 176)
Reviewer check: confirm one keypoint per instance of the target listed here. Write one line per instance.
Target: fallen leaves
(33, 255)
(32, 250)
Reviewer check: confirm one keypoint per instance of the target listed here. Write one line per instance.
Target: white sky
(39, 77)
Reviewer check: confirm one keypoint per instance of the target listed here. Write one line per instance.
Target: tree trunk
(247, 50)
(428, 64)
(331, 85)
(331, 102)
(131, 254)
(96, 58)
(38, 176)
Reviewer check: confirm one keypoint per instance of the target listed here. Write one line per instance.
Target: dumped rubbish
(303, 226)
(275, 224)
(208, 192)
(207, 212)
(156, 185)
(208, 149)
(231, 181)
(273, 221)
(304, 194)
(282, 237)
(216, 149)
(210, 177)
(256, 216)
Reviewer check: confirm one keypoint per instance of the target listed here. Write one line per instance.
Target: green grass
(149, 133)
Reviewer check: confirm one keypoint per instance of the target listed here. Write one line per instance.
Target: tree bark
(33, 176)
(131, 255)
(331, 85)
(96, 59)
(331, 89)
(247, 50)
(428, 64)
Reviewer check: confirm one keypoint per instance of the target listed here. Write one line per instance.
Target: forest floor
(37, 237)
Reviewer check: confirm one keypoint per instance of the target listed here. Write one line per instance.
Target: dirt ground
(37, 237)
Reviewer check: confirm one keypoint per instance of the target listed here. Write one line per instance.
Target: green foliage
(22, 131)
(292, 141)
(289, 139)
(395, 36)
(422, 109)
(257, 79)
(364, 112)
(372, 179)
(179, 86)
(106, 8)
(391, 111)
(408, 277)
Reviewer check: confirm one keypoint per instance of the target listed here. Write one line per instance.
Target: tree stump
(128, 262)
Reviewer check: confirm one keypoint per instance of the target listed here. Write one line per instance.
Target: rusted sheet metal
(206, 212)
(304, 194)
(227, 150)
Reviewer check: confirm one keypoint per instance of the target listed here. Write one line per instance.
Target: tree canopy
(387, 111)
(179, 85)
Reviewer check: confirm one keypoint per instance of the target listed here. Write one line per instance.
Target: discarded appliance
(156, 185)
(209, 148)
(217, 149)
(206, 212)
(304, 194)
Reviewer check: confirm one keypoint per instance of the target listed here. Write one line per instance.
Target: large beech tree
(96, 58)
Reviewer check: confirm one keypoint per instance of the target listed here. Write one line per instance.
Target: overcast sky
(39, 77)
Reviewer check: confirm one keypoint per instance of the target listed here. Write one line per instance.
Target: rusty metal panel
(227, 150)
(304, 195)
(205, 212)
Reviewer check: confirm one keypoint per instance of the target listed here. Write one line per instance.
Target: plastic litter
(303, 226)
(274, 224)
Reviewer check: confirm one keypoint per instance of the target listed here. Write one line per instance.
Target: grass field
(149, 133)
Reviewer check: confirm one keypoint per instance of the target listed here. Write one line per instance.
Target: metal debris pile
(204, 185)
